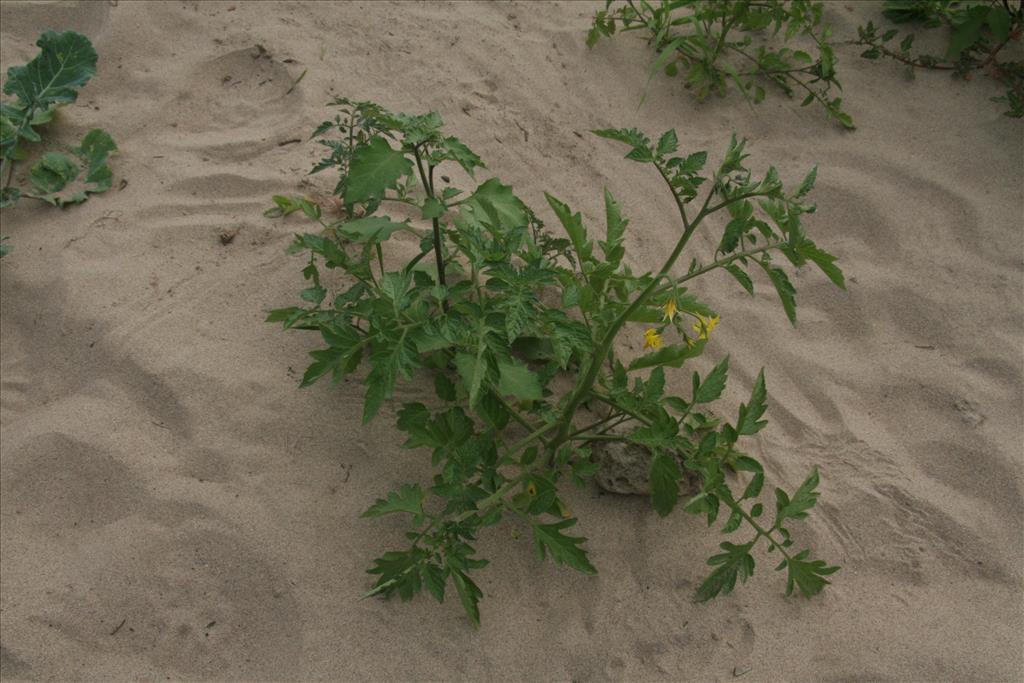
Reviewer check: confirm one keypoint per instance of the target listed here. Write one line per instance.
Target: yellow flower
(652, 340)
(703, 326)
(670, 310)
(531, 488)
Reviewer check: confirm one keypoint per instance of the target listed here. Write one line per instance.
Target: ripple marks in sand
(196, 601)
(246, 89)
(879, 520)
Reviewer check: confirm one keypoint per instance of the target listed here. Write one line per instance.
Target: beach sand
(172, 507)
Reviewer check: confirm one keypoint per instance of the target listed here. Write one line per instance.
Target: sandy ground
(174, 508)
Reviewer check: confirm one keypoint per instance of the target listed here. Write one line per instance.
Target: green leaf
(375, 168)
(408, 499)
(573, 224)
(371, 229)
(803, 500)
(711, 388)
(5, 249)
(443, 387)
(564, 549)
(473, 369)
(8, 136)
(673, 356)
(808, 576)
(668, 143)
(387, 364)
(612, 247)
(515, 379)
(823, 260)
(750, 413)
(67, 62)
(968, 33)
(53, 172)
(787, 295)
(434, 579)
(56, 171)
(497, 201)
(397, 573)
(741, 277)
(735, 562)
(469, 594)
(999, 22)
(458, 152)
(665, 475)
(808, 184)
(96, 147)
(631, 136)
(432, 208)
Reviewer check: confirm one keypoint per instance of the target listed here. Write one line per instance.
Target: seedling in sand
(518, 329)
(65, 63)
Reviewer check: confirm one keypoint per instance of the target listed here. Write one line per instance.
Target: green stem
(761, 531)
(718, 264)
(605, 398)
(428, 186)
(586, 383)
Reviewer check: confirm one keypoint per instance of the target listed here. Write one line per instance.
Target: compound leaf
(407, 499)
(564, 549)
(808, 576)
(713, 385)
(749, 421)
(787, 294)
(824, 260)
(803, 500)
(469, 594)
(735, 562)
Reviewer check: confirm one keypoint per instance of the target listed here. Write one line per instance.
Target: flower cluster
(702, 327)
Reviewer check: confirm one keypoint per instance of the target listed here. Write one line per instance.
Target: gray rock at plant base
(624, 467)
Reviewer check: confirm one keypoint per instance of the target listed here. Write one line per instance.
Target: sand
(173, 507)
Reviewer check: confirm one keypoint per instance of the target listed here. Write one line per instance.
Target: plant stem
(428, 186)
(586, 383)
(718, 264)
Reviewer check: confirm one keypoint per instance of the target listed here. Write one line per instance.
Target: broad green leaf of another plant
(53, 172)
(66, 63)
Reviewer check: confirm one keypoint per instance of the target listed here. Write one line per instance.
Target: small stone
(227, 235)
(624, 467)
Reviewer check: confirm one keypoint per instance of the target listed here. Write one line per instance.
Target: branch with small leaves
(698, 39)
(979, 32)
